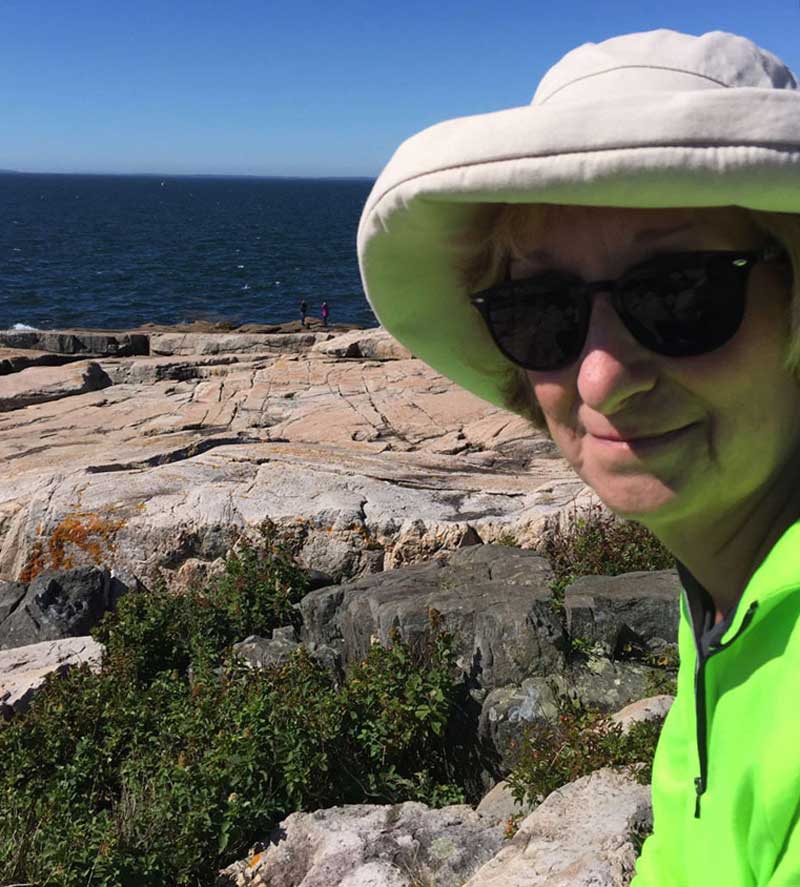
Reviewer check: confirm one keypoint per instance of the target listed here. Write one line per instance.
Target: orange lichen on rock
(88, 534)
(35, 563)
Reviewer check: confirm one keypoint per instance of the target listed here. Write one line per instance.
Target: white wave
(23, 326)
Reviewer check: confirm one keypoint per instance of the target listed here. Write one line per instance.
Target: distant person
(325, 313)
(303, 312)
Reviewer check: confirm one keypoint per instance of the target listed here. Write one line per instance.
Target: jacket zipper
(701, 781)
(700, 722)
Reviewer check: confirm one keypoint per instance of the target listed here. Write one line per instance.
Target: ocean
(115, 252)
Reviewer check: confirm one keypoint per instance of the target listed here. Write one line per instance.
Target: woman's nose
(613, 366)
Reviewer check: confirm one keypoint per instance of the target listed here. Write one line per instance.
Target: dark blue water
(118, 251)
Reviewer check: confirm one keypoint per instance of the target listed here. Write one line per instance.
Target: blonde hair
(500, 230)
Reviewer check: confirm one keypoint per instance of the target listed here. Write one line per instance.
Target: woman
(619, 262)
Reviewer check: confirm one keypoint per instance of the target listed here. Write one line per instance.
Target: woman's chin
(646, 500)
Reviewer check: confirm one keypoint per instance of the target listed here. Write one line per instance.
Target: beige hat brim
(705, 147)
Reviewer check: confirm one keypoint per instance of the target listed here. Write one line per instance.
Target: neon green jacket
(726, 775)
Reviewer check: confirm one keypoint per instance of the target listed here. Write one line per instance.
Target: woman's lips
(638, 441)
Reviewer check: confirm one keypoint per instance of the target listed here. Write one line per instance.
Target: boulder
(13, 360)
(579, 836)
(96, 343)
(624, 611)
(494, 599)
(261, 652)
(277, 651)
(598, 684)
(149, 370)
(41, 384)
(372, 344)
(11, 595)
(498, 806)
(56, 604)
(582, 835)
(24, 669)
(233, 343)
(405, 845)
(606, 685)
(649, 709)
(506, 711)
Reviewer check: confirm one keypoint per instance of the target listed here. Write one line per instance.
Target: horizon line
(180, 175)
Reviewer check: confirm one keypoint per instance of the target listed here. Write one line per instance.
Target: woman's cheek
(557, 395)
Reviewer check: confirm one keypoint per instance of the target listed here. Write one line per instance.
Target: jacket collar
(778, 575)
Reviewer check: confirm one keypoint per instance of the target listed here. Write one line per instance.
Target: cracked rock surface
(366, 463)
(494, 600)
(363, 845)
(579, 836)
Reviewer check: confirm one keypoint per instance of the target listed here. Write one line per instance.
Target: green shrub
(398, 704)
(174, 759)
(580, 741)
(162, 631)
(596, 543)
(662, 681)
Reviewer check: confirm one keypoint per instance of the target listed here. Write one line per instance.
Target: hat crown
(662, 59)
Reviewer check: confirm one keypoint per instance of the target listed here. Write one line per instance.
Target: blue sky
(305, 88)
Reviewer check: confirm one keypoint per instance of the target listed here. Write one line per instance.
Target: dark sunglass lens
(538, 329)
(686, 310)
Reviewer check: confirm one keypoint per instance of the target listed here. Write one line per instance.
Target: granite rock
(56, 604)
(579, 836)
(498, 805)
(651, 708)
(233, 343)
(41, 384)
(87, 342)
(598, 684)
(494, 599)
(405, 845)
(12, 360)
(24, 669)
(372, 344)
(277, 651)
(624, 611)
(365, 465)
(261, 652)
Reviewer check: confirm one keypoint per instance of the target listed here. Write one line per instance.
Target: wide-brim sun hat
(652, 120)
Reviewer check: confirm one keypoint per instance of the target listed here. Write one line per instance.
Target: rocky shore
(152, 450)
(137, 459)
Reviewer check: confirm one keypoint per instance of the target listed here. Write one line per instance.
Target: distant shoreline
(201, 326)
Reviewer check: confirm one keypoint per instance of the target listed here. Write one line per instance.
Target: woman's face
(659, 438)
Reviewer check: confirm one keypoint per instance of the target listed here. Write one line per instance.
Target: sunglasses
(677, 305)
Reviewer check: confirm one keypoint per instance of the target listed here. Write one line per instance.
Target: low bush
(596, 543)
(159, 630)
(175, 758)
(580, 741)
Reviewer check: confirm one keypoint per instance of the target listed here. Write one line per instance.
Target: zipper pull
(699, 788)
